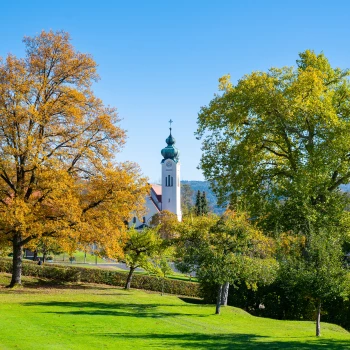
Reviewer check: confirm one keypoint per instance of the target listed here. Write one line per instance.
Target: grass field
(82, 316)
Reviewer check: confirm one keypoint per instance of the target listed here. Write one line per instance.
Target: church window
(144, 220)
(134, 220)
(169, 181)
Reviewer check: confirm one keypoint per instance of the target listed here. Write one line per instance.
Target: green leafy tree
(162, 260)
(225, 250)
(277, 143)
(315, 269)
(140, 248)
(166, 222)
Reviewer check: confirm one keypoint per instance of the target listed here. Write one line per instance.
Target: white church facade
(166, 196)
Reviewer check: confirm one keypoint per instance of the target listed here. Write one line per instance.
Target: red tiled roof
(157, 189)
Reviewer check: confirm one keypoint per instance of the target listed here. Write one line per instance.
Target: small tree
(166, 222)
(162, 262)
(140, 248)
(316, 270)
(224, 251)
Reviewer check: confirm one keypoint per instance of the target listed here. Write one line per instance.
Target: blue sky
(162, 59)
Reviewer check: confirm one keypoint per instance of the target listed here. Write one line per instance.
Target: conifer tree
(204, 204)
(198, 204)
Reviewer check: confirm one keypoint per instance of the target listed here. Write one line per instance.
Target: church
(167, 195)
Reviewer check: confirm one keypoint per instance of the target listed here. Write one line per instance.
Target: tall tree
(281, 134)
(186, 198)
(198, 207)
(57, 140)
(204, 204)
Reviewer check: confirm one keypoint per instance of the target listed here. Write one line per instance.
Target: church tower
(171, 177)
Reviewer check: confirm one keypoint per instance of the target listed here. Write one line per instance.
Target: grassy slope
(102, 317)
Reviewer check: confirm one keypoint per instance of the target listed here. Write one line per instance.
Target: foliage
(147, 250)
(57, 141)
(317, 271)
(311, 273)
(227, 249)
(140, 247)
(277, 143)
(205, 186)
(201, 206)
(186, 198)
(198, 205)
(166, 222)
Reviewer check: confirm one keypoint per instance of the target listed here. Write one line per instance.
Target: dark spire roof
(170, 152)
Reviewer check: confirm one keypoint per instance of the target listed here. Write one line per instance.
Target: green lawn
(82, 316)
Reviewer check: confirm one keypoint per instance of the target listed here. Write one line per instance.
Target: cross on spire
(170, 122)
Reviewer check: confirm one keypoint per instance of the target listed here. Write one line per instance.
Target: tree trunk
(218, 300)
(16, 261)
(224, 294)
(84, 257)
(128, 280)
(318, 320)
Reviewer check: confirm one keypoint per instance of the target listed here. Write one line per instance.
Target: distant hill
(204, 186)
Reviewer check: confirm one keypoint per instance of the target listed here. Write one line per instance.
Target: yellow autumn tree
(58, 177)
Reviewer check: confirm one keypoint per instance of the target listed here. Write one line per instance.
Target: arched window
(169, 181)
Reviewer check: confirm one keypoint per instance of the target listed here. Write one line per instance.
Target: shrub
(114, 278)
(280, 303)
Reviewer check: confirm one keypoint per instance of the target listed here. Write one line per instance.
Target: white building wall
(151, 210)
(171, 199)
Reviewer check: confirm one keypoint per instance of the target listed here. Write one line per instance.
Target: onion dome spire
(170, 152)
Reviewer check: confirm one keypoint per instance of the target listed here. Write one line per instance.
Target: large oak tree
(279, 141)
(57, 140)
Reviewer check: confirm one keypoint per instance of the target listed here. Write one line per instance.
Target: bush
(280, 303)
(114, 278)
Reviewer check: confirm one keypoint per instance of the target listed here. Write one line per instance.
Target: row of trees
(199, 206)
(277, 145)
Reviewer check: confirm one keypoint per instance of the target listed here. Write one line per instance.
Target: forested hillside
(204, 186)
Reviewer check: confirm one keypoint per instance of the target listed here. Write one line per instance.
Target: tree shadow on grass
(196, 301)
(230, 341)
(111, 309)
(43, 283)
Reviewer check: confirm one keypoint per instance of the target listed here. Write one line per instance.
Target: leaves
(280, 138)
(58, 176)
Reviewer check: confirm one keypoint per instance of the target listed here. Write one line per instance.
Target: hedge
(114, 278)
